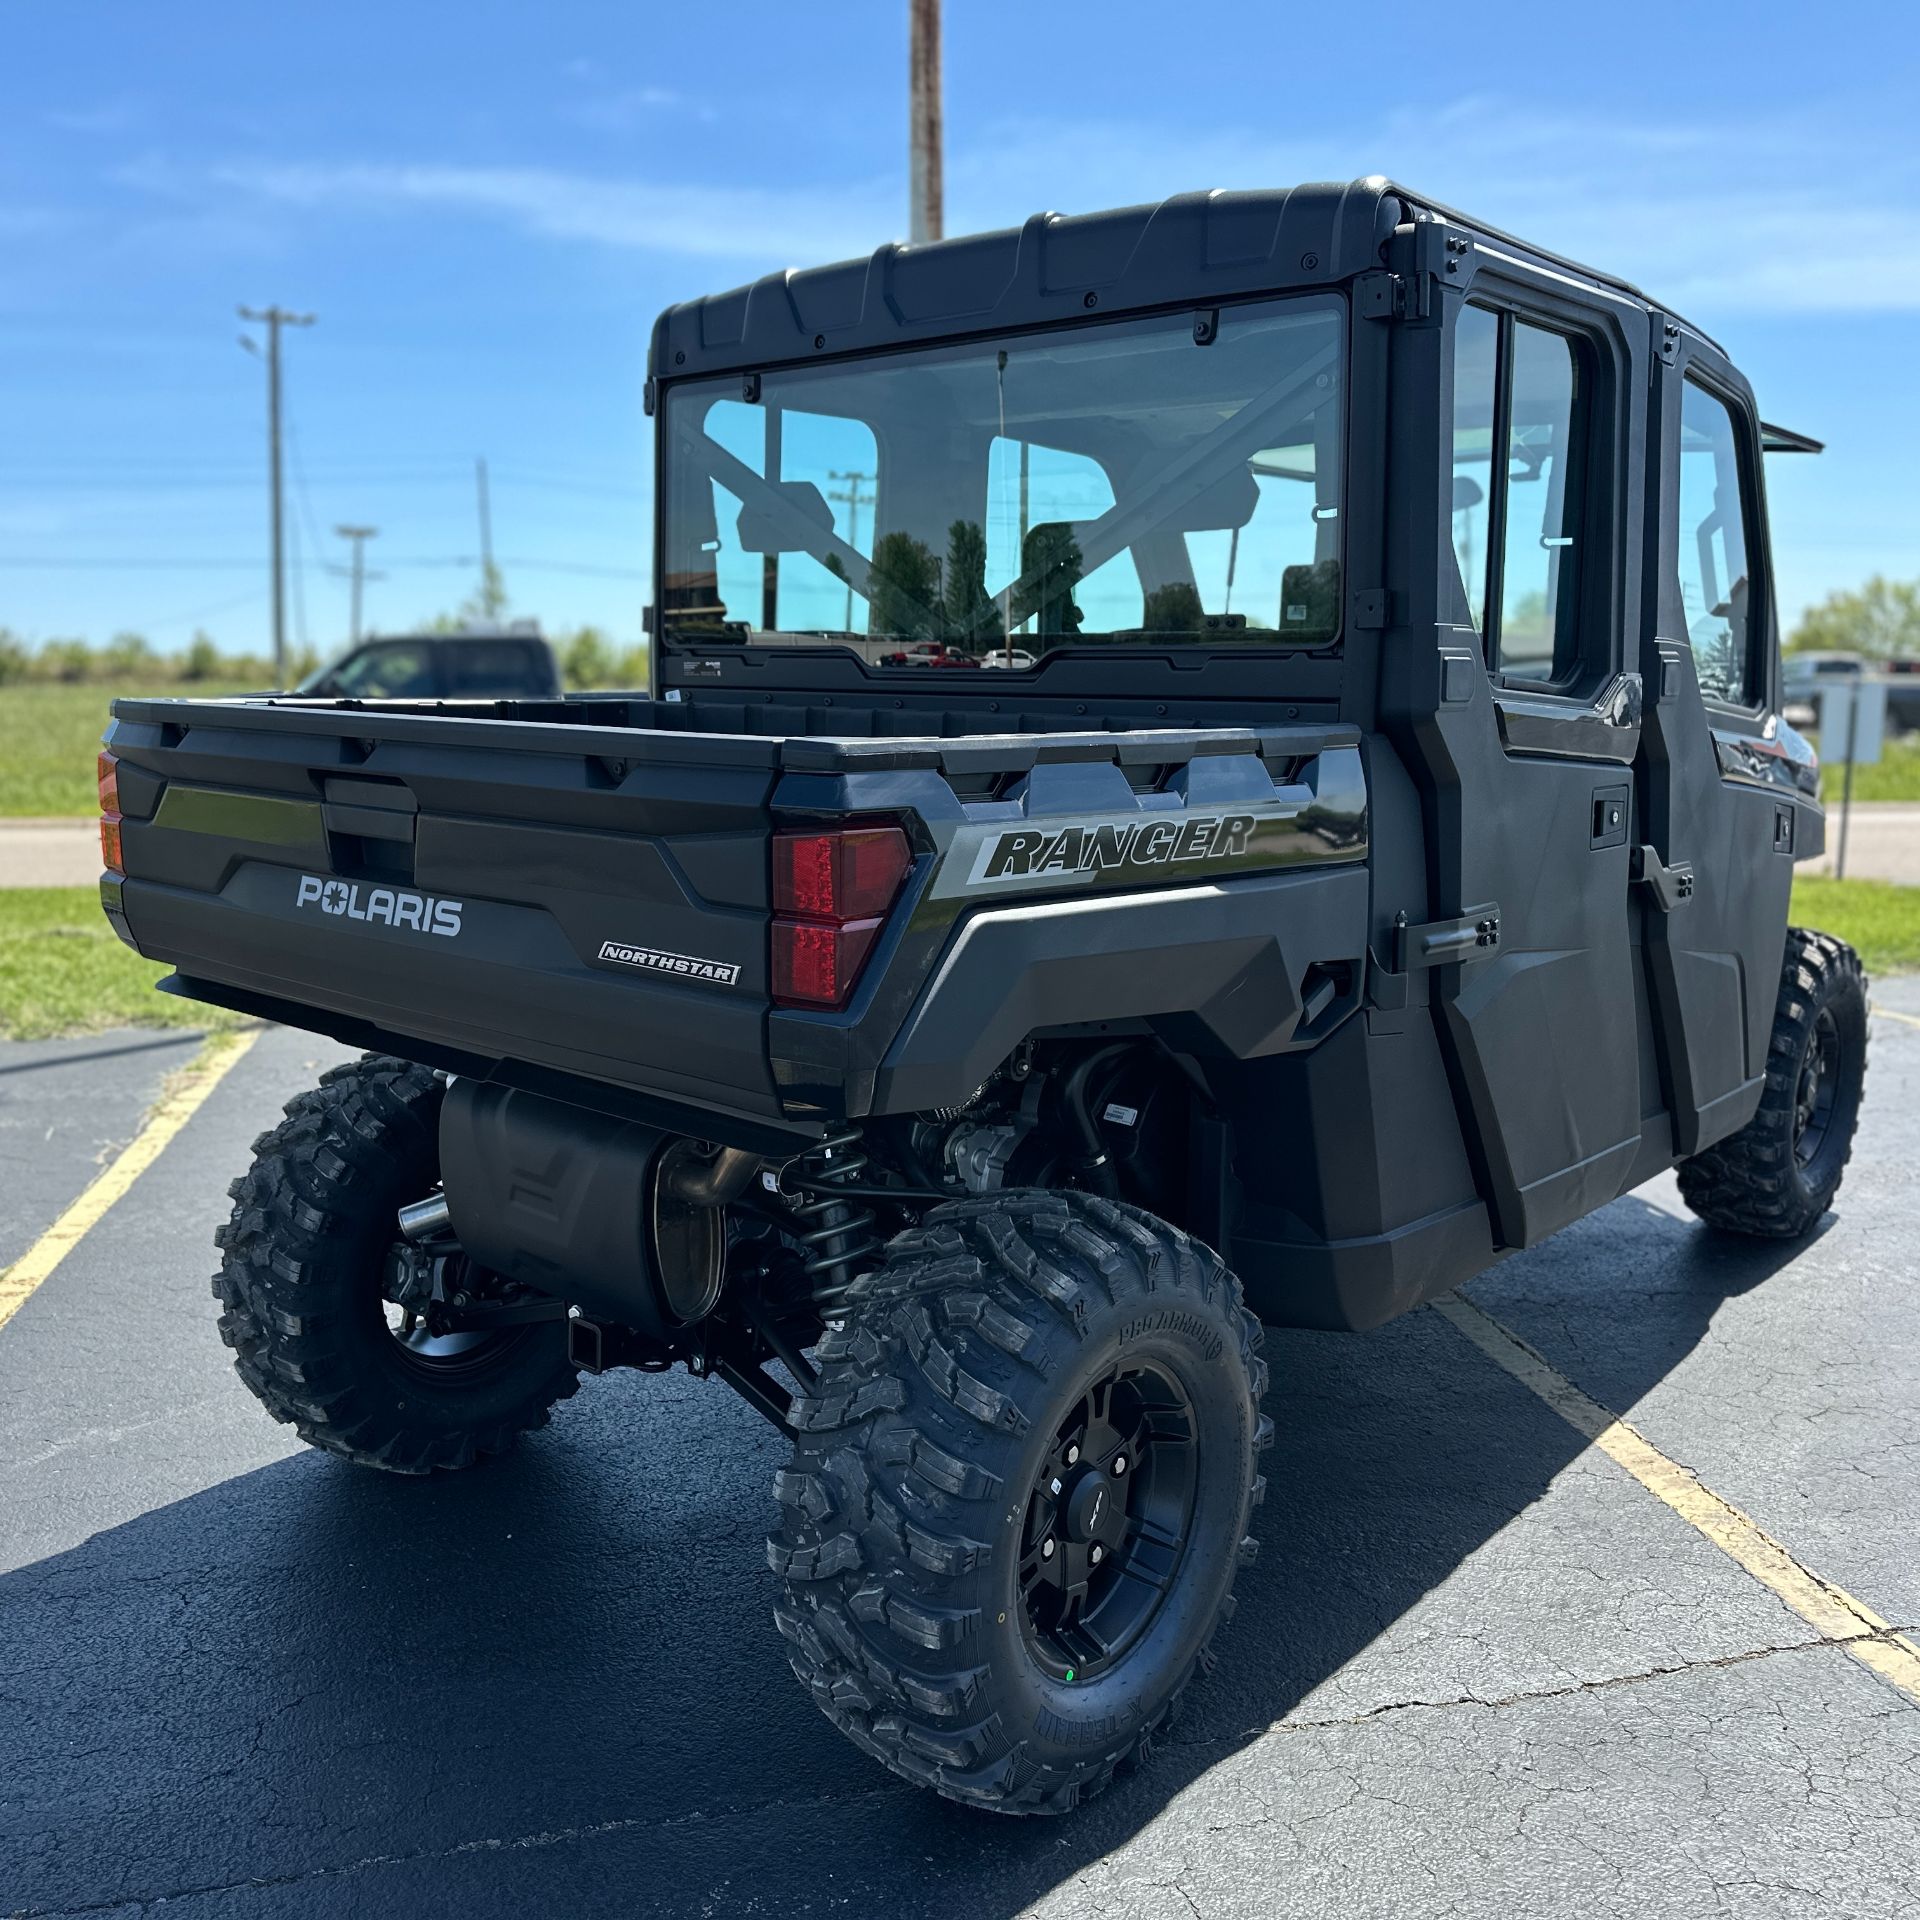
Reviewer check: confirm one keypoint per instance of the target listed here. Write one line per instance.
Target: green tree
(204, 660)
(16, 659)
(69, 660)
(903, 588)
(1880, 620)
(129, 656)
(971, 612)
(1174, 608)
(586, 659)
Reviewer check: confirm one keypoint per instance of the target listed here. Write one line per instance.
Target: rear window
(1139, 482)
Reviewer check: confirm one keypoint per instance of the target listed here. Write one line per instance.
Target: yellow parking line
(1887, 1013)
(178, 1105)
(1831, 1611)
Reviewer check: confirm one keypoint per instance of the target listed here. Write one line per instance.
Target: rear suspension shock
(837, 1234)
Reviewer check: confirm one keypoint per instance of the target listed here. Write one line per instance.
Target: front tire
(304, 1282)
(1777, 1176)
(1019, 1495)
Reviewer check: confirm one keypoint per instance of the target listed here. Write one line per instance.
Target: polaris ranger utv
(1372, 854)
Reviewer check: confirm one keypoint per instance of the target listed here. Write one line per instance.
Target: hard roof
(1194, 247)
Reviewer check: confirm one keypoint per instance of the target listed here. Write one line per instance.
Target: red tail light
(831, 893)
(848, 875)
(108, 770)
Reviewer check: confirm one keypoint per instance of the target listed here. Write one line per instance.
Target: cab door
(1528, 755)
(1724, 814)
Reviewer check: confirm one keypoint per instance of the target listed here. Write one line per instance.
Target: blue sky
(486, 204)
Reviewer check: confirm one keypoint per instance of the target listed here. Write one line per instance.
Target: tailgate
(589, 900)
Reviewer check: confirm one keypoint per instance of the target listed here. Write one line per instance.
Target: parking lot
(1479, 1668)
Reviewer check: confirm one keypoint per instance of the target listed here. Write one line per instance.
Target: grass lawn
(48, 738)
(1879, 920)
(1894, 776)
(62, 971)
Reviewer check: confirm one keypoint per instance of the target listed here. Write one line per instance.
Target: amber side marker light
(831, 894)
(109, 775)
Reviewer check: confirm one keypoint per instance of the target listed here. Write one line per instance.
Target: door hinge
(1473, 935)
(1668, 885)
(1392, 296)
(1669, 341)
(1370, 608)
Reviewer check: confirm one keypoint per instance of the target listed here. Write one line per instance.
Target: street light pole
(273, 319)
(928, 212)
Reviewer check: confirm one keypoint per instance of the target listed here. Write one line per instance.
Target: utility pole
(273, 319)
(853, 499)
(928, 221)
(491, 596)
(359, 536)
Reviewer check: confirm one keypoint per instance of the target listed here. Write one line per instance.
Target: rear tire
(1010, 1644)
(1777, 1176)
(302, 1288)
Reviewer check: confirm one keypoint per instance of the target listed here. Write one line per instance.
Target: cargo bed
(574, 894)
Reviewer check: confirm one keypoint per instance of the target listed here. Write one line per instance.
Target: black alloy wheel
(1107, 1521)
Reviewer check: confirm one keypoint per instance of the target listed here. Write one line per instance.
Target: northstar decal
(1030, 853)
(688, 966)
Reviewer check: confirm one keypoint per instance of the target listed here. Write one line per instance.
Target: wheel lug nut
(1053, 1486)
(1119, 1463)
(1097, 1555)
(1073, 1454)
(1046, 1549)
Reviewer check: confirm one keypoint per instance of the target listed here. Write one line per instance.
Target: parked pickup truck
(1371, 855)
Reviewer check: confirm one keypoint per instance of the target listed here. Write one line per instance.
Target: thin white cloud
(101, 117)
(630, 107)
(1712, 217)
(1715, 218)
(775, 225)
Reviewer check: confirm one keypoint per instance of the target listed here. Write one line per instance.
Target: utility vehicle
(1371, 854)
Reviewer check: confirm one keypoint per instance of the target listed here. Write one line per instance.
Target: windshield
(987, 503)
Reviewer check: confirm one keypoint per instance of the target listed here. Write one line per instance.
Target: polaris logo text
(1078, 852)
(686, 965)
(390, 906)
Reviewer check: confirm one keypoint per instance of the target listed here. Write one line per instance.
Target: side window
(1716, 583)
(1476, 380)
(1521, 435)
(491, 667)
(1539, 636)
(400, 671)
(828, 469)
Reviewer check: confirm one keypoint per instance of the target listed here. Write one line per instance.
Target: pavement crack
(1529, 1695)
(526, 1842)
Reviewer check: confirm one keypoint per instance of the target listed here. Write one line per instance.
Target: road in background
(49, 853)
(1883, 844)
(1477, 1669)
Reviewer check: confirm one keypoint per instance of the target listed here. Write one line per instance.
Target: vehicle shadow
(553, 1685)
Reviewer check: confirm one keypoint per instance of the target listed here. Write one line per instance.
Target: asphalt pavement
(1477, 1670)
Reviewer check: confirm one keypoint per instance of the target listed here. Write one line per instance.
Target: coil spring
(837, 1234)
